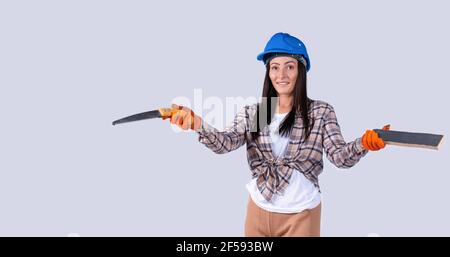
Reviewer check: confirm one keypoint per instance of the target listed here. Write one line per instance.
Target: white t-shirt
(299, 195)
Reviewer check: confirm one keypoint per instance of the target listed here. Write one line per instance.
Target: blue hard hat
(286, 44)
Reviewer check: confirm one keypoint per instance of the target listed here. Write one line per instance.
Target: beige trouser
(260, 222)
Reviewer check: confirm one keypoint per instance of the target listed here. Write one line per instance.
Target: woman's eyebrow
(284, 63)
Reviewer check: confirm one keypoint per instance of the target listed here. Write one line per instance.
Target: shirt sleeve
(228, 140)
(340, 153)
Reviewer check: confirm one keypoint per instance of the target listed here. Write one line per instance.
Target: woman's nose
(283, 73)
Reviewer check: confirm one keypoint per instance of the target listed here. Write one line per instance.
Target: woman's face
(283, 71)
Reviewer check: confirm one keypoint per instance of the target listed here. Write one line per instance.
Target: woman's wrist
(197, 126)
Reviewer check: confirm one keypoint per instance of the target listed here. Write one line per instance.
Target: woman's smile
(283, 83)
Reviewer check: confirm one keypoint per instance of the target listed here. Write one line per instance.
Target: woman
(284, 155)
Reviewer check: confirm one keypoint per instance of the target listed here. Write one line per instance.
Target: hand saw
(410, 139)
(163, 113)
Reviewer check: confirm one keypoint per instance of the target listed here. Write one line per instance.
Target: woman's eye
(274, 67)
(290, 67)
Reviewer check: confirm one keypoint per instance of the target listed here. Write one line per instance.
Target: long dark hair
(301, 102)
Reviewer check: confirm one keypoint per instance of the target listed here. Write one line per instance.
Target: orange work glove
(185, 118)
(371, 141)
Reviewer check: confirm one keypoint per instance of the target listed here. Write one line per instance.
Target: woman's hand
(185, 118)
(371, 141)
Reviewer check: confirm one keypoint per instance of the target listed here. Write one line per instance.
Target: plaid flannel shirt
(302, 155)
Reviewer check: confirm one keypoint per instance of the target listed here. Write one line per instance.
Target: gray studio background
(69, 68)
